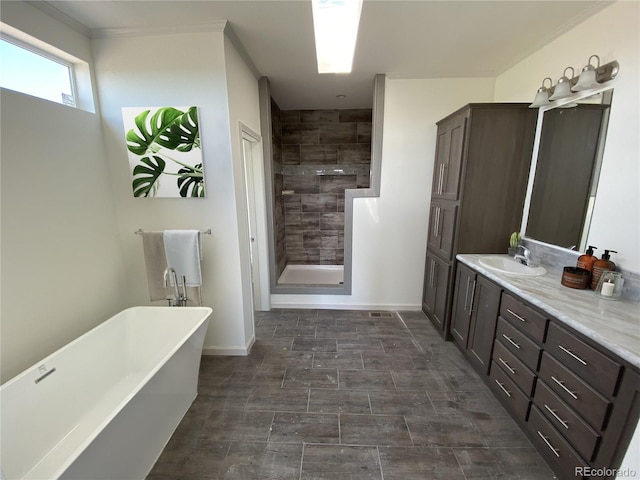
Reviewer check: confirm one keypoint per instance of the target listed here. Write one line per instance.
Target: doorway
(253, 172)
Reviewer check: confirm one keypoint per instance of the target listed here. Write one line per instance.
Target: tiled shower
(317, 154)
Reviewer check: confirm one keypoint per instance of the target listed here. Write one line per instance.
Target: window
(29, 70)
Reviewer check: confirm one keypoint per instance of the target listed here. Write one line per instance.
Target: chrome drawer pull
(569, 352)
(507, 392)
(511, 341)
(508, 367)
(554, 450)
(564, 387)
(555, 415)
(517, 316)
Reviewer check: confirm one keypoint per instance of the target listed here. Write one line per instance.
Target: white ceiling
(417, 38)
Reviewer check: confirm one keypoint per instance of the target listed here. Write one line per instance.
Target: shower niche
(316, 155)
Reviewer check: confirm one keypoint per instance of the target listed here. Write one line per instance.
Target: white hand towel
(184, 253)
(155, 261)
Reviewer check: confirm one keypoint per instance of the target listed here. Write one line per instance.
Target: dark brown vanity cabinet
(473, 320)
(578, 402)
(436, 285)
(483, 153)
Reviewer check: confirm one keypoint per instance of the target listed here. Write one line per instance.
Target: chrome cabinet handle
(435, 272)
(561, 383)
(431, 270)
(473, 294)
(440, 179)
(554, 450)
(555, 415)
(569, 352)
(507, 392)
(436, 223)
(507, 366)
(517, 316)
(466, 295)
(511, 341)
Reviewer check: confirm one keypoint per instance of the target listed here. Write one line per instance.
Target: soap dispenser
(602, 265)
(586, 260)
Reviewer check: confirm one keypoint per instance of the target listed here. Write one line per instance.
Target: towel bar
(204, 232)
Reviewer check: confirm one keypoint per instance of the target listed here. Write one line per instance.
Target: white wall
(390, 232)
(62, 269)
(244, 106)
(613, 35)
(180, 69)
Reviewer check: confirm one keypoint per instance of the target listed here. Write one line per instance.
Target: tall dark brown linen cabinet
(483, 154)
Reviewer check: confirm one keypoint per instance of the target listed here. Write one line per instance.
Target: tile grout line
(302, 460)
(380, 462)
(413, 339)
(404, 417)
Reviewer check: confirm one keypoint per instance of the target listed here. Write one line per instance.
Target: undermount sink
(508, 266)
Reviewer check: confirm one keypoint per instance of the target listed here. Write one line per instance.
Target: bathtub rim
(27, 370)
(117, 408)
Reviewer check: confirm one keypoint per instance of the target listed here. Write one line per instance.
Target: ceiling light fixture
(563, 87)
(591, 78)
(335, 24)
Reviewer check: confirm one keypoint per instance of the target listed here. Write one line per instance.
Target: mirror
(567, 168)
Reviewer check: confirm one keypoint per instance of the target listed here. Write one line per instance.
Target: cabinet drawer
(593, 366)
(518, 344)
(513, 368)
(507, 391)
(582, 398)
(583, 438)
(553, 447)
(524, 317)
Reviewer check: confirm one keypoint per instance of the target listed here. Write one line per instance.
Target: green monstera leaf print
(191, 180)
(160, 139)
(155, 133)
(185, 131)
(146, 176)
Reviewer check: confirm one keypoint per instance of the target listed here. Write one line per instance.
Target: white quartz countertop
(613, 324)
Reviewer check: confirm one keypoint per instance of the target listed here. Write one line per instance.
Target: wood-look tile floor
(329, 394)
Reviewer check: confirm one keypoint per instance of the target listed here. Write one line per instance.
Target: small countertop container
(575, 277)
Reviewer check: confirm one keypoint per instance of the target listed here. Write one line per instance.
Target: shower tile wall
(323, 152)
(278, 185)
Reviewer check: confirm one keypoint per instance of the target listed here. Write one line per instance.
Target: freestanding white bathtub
(105, 405)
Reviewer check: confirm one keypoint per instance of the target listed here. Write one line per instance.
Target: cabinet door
(434, 297)
(484, 317)
(461, 316)
(448, 161)
(442, 221)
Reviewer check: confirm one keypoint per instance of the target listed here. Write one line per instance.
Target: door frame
(256, 216)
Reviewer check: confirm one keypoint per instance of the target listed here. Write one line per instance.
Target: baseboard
(342, 306)
(232, 352)
(225, 351)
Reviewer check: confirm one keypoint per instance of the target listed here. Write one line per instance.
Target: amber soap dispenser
(586, 260)
(602, 265)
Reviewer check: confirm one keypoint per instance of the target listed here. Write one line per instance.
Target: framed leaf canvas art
(163, 145)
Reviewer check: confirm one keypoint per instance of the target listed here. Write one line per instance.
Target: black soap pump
(587, 260)
(602, 265)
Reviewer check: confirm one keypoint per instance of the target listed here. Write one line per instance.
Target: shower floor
(312, 275)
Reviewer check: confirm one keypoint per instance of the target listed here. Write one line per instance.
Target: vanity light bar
(603, 73)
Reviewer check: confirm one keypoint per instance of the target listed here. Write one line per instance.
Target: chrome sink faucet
(179, 299)
(524, 256)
